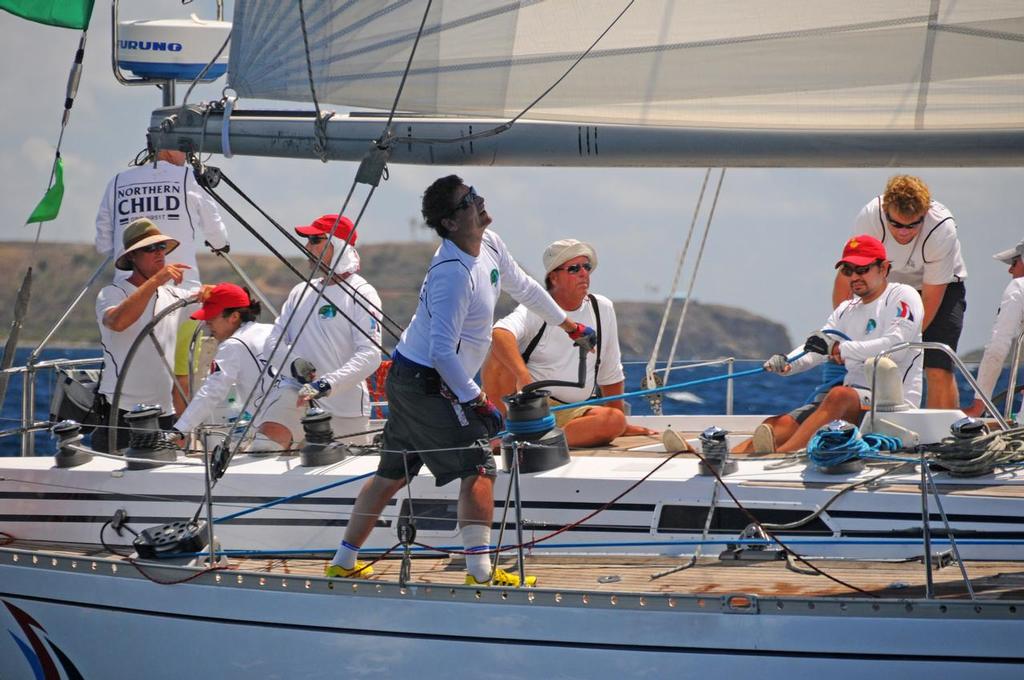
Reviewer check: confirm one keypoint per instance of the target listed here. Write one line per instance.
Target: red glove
(488, 412)
(584, 336)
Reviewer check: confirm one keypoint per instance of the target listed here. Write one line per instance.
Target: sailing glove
(315, 390)
(488, 413)
(819, 343)
(303, 370)
(584, 336)
(776, 363)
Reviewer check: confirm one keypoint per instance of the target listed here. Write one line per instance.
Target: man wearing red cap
(230, 313)
(342, 341)
(921, 238)
(879, 316)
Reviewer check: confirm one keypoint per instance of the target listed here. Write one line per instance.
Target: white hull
(664, 515)
(231, 624)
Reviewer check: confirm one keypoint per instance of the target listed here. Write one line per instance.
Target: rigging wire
(649, 370)
(693, 276)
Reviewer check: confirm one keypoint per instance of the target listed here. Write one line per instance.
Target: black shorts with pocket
(421, 420)
(946, 326)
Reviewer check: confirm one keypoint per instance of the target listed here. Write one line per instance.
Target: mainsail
(703, 82)
(912, 65)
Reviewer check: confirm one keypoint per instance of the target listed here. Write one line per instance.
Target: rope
(831, 447)
(980, 455)
(320, 124)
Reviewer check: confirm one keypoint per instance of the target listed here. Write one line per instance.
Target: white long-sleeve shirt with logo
(238, 362)
(891, 318)
(451, 329)
(1009, 323)
(342, 355)
(169, 196)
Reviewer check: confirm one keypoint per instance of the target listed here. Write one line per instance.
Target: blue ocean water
(759, 393)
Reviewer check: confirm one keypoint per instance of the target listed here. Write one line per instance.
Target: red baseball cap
(322, 225)
(223, 296)
(862, 250)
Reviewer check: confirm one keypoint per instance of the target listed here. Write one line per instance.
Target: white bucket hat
(561, 251)
(1006, 256)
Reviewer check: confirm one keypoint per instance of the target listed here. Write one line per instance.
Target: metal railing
(730, 363)
(941, 347)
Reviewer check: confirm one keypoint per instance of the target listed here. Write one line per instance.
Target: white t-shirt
(555, 357)
(1009, 323)
(342, 355)
(148, 380)
(891, 318)
(238, 362)
(169, 196)
(451, 329)
(933, 257)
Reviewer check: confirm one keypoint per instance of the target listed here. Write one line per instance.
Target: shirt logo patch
(872, 325)
(214, 367)
(904, 311)
(494, 277)
(373, 324)
(328, 311)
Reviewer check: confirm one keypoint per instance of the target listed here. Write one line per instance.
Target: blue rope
(285, 499)
(666, 388)
(829, 448)
(530, 426)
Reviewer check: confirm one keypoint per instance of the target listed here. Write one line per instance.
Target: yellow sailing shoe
(361, 570)
(502, 578)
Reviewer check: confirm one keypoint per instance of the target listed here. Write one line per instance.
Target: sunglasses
(316, 239)
(469, 199)
(901, 225)
(155, 247)
(849, 270)
(575, 268)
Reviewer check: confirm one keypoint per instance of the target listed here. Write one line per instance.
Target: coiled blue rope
(829, 448)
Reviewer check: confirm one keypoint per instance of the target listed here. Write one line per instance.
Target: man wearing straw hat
(524, 350)
(124, 308)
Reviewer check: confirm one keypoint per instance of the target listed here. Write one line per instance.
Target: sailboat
(669, 579)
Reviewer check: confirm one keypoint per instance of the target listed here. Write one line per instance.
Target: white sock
(477, 540)
(346, 555)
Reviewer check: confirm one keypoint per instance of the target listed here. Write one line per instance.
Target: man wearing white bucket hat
(1009, 323)
(524, 350)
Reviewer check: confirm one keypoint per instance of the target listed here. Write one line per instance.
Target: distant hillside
(396, 269)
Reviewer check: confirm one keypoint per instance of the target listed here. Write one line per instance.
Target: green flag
(50, 205)
(66, 13)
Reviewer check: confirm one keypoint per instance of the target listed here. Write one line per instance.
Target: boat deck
(633, 574)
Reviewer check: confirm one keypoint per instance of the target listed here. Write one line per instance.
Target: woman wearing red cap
(230, 313)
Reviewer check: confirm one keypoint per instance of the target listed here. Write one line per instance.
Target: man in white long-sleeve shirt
(1009, 323)
(342, 340)
(166, 193)
(437, 411)
(879, 316)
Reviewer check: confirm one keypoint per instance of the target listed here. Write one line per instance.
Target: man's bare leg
(372, 499)
(597, 427)
(784, 426)
(840, 403)
(942, 391)
(280, 434)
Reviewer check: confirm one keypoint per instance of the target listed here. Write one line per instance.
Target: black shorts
(946, 326)
(421, 419)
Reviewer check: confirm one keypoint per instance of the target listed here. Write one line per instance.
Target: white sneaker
(764, 439)
(674, 442)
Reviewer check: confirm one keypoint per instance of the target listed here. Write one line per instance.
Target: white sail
(916, 65)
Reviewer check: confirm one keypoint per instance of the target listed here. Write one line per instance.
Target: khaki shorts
(280, 408)
(565, 415)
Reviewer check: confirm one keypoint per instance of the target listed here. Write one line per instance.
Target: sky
(775, 236)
